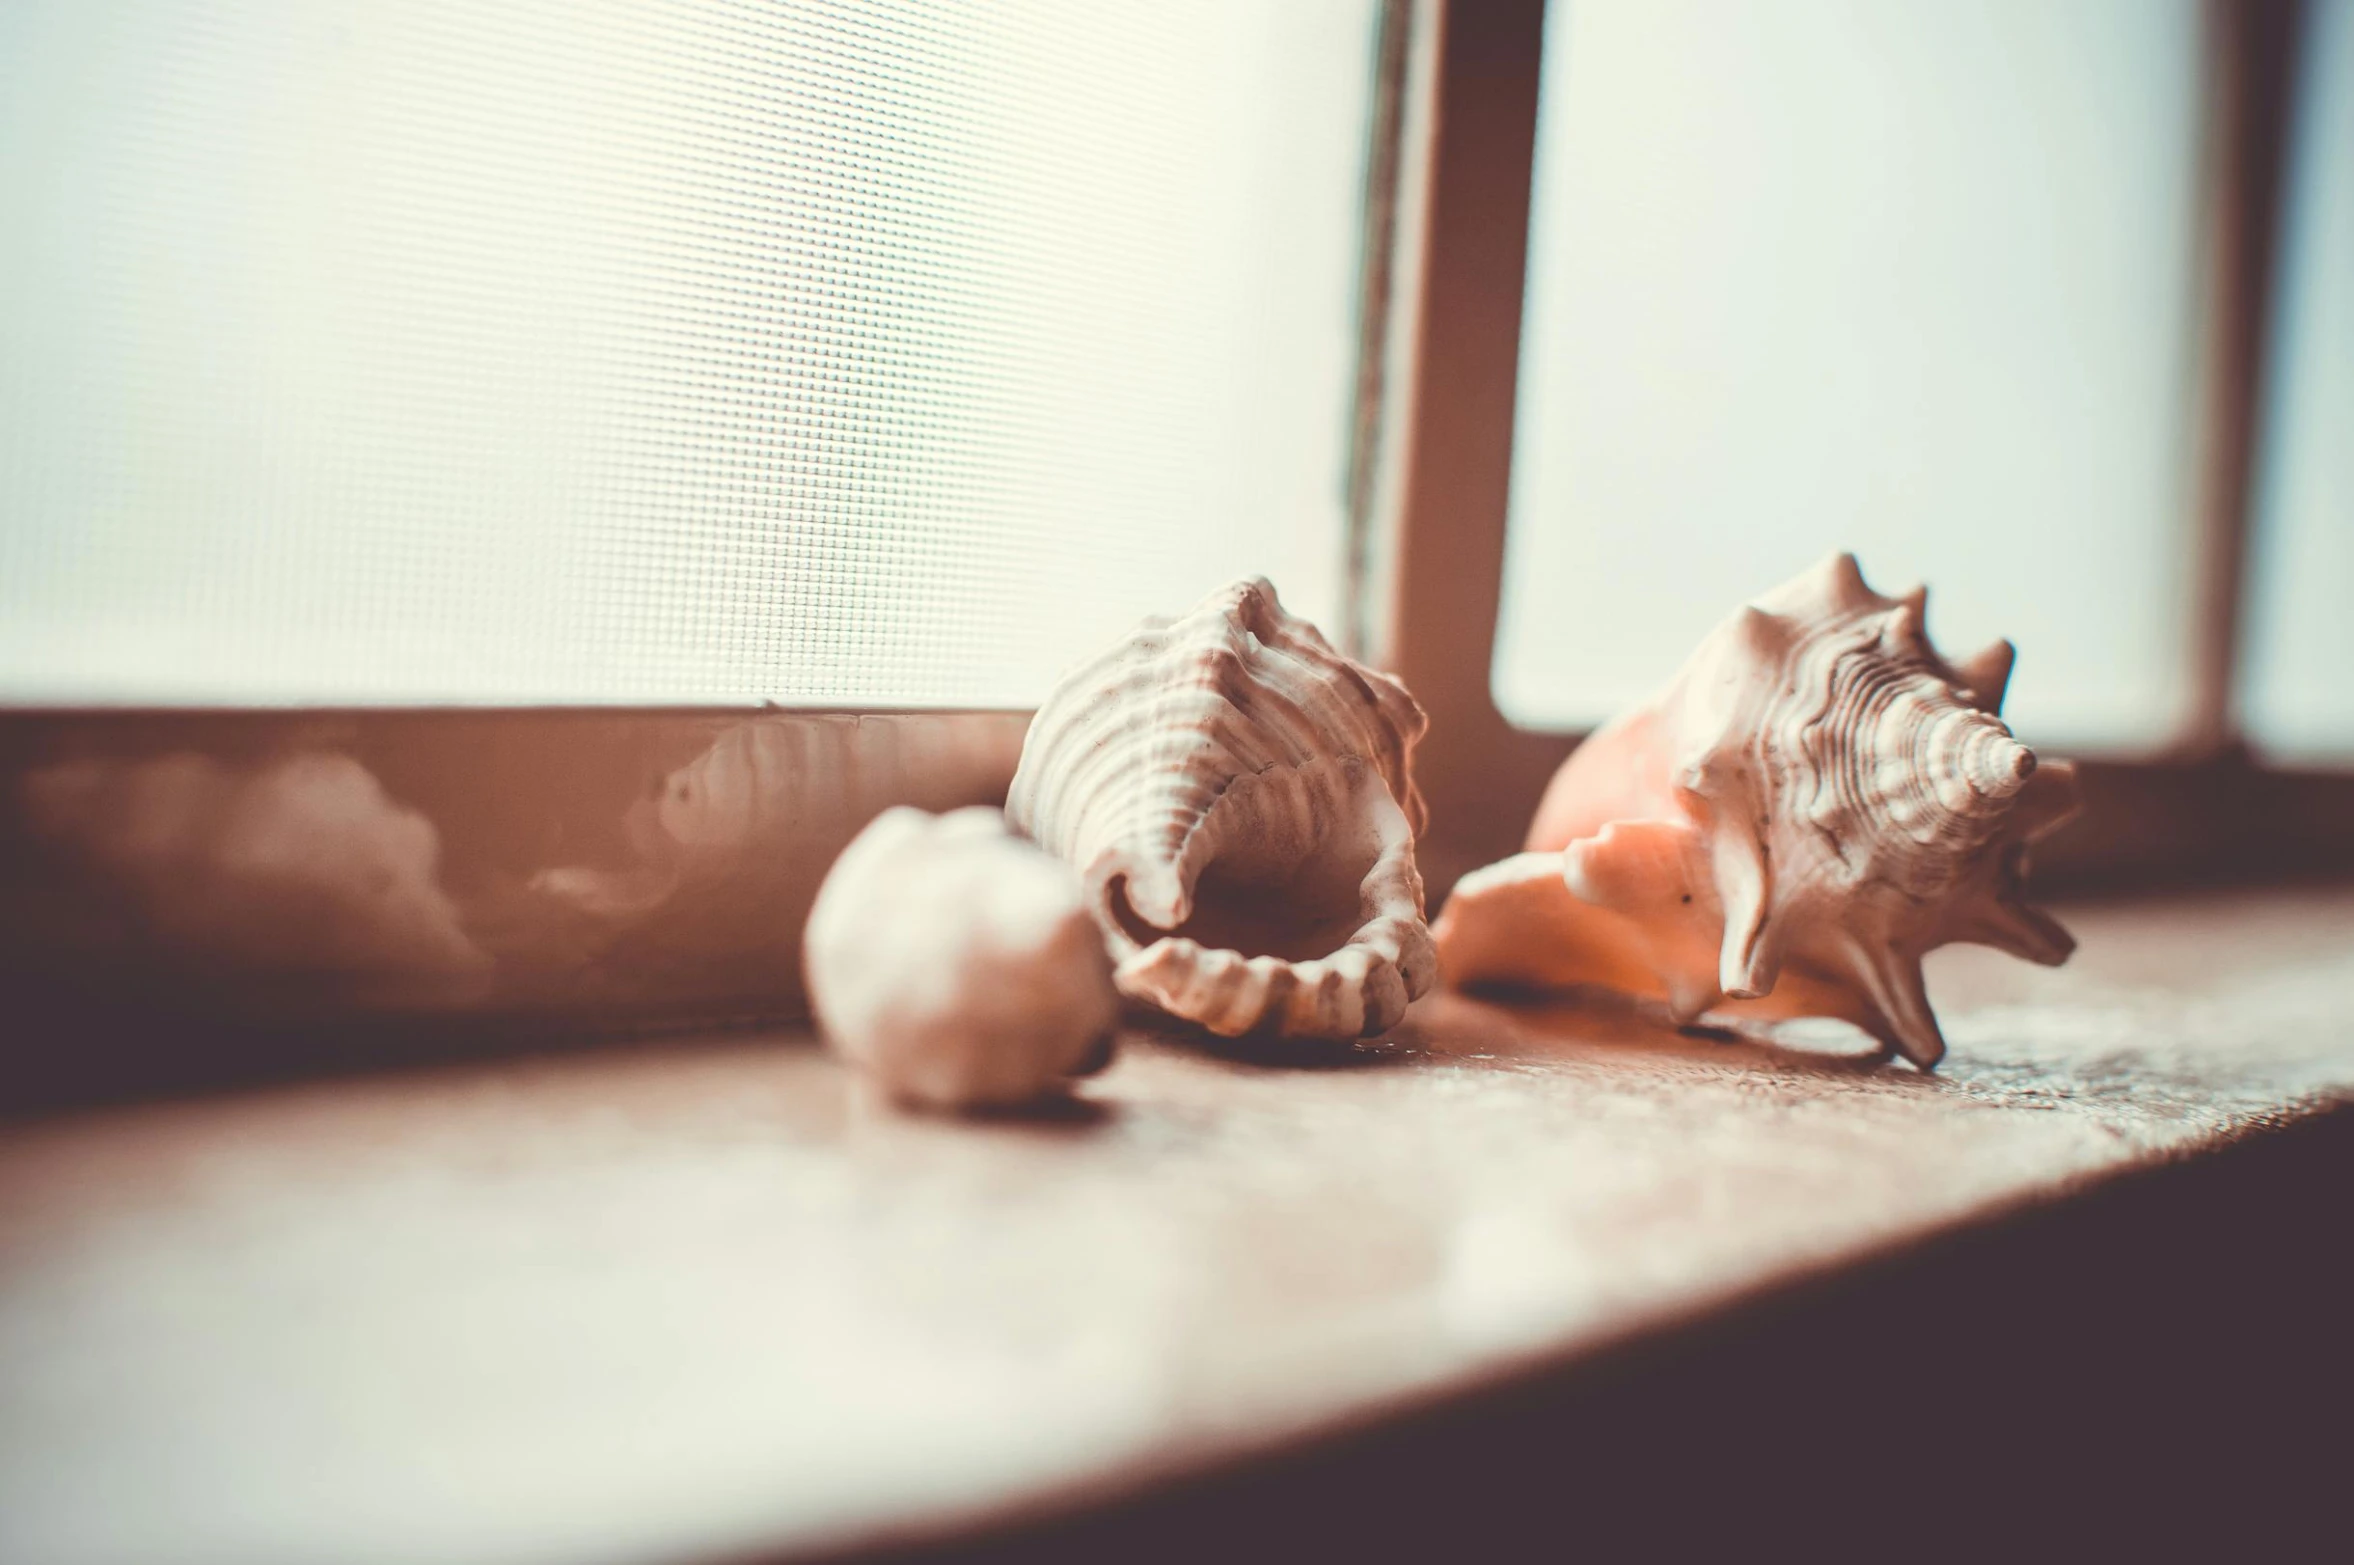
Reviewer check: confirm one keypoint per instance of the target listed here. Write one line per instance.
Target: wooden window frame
(629, 870)
(2205, 809)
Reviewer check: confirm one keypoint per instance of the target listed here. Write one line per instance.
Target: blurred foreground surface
(707, 1300)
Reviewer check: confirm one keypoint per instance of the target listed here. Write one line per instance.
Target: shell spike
(1986, 675)
(1912, 616)
(1833, 588)
(1765, 633)
(2027, 933)
(1841, 583)
(1750, 959)
(2049, 801)
(1894, 984)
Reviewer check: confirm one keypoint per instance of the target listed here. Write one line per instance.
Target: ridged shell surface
(1239, 801)
(1817, 801)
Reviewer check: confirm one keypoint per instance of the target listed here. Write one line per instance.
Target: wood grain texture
(708, 1299)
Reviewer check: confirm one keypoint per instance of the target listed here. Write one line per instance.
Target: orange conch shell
(1239, 801)
(1814, 804)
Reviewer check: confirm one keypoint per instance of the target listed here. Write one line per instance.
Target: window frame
(2202, 809)
(512, 795)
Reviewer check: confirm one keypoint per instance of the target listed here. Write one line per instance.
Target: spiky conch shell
(1815, 803)
(1235, 739)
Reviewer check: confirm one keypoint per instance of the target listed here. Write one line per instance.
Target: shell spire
(1239, 801)
(1816, 802)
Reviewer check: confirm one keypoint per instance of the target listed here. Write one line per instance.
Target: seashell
(1239, 801)
(1815, 803)
(955, 963)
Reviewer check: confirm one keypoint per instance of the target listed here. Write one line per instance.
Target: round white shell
(1238, 799)
(955, 963)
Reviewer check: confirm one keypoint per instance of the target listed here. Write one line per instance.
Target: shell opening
(1295, 900)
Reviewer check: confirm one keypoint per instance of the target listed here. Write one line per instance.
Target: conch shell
(1814, 804)
(1238, 800)
(953, 962)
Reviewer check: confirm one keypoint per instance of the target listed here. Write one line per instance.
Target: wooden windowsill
(708, 1298)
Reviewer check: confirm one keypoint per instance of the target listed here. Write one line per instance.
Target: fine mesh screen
(616, 351)
(1907, 279)
(2300, 698)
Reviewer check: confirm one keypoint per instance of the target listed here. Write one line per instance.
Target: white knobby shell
(1239, 801)
(1816, 802)
(956, 964)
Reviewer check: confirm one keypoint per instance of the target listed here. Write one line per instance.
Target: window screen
(626, 351)
(1908, 279)
(2300, 698)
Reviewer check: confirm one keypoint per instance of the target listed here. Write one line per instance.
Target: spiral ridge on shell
(1235, 734)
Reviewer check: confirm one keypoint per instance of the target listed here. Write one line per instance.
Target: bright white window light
(2300, 686)
(1908, 279)
(620, 351)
